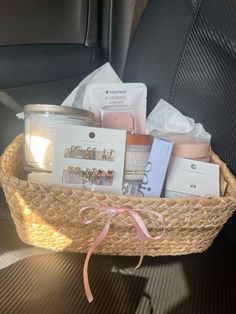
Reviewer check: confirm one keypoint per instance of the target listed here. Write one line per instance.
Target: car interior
(184, 52)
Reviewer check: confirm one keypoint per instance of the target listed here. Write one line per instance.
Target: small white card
(89, 158)
(193, 177)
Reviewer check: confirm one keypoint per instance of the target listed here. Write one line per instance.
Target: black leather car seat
(185, 52)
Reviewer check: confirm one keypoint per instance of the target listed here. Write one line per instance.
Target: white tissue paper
(103, 75)
(164, 118)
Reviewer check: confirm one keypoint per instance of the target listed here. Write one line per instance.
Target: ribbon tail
(96, 243)
(141, 238)
(143, 233)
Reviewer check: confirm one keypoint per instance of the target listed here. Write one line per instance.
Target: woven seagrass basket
(48, 217)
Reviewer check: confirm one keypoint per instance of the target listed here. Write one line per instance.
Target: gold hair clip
(94, 176)
(89, 153)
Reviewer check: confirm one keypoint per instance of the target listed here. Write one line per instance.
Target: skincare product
(192, 178)
(187, 146)
(40, 131)
(138, 147)
(119, 106)
(156, 168)
(118, 117)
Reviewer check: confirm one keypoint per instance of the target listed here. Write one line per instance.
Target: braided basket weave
(48, 217)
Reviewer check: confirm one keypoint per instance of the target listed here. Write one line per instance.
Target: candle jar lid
(61, 110)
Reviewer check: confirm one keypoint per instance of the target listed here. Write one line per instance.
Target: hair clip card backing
(89, 158)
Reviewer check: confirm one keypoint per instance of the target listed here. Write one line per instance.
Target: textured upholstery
(185, 52)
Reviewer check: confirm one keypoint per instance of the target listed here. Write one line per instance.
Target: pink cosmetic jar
(190, 147)
(118, 117)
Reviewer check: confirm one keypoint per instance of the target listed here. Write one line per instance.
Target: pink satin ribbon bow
(111, 212)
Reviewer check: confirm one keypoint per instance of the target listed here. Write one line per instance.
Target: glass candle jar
(40, 131)
(138, 147)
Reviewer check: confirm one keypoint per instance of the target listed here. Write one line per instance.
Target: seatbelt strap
(138, 12)
(9, 102)
(131, 12)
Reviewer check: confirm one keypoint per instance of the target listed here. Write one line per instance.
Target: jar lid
(191, 150)
(138, 139)
(187, 146)
(63, 110)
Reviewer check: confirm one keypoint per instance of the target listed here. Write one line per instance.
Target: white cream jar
(138, 147)
(40, 131)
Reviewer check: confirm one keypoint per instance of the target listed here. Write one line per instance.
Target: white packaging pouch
(119, 105)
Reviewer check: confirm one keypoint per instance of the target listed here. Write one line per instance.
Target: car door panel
(43, 21)
(46, 49)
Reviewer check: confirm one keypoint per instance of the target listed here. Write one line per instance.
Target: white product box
(193, 178)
